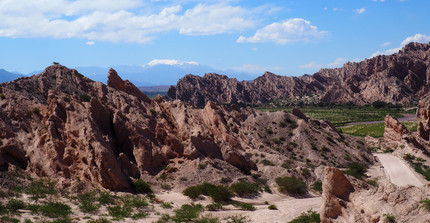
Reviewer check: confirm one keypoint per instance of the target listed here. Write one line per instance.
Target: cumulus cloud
(116, 21)
(360, 11)
(292, 30)
(313, 65)
(386, 44)
(90, 43)
(420, 38)
(170, 62)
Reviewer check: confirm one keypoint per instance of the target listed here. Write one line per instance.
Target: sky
(285, 37)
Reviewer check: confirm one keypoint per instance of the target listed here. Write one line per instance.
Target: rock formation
(394, 130)
(399, 78)
(62, 125)
(351, 200)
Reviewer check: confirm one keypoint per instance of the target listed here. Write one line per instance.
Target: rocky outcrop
(351, 200)
(336, 191)
(62, 125)
(394, 130)
(399, 78)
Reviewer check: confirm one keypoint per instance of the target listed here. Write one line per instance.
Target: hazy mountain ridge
(403, 78)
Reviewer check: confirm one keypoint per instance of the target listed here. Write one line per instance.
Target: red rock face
(399, 78)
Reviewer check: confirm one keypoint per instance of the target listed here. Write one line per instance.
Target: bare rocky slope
(62, 125)
(399, 78)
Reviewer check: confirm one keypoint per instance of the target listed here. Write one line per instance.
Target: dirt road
(398, 171)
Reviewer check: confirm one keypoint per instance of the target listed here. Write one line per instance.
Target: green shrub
(238, 219)
(192, 192)
(40, 189)
(272, 207)
(317, 186)
(88, 202)
(388, 150)
(100, 220)
(267, 162)
(166, 205)
(187, 212)
(426, 204)
(202, 166)
(139, 215)
(141, 187)
(13, 205)
(54, 209)
(135, 201)
(120, 211)
(214, 207)
(389, 217)
(219, 193)
(36, 110)
(105, 198)
(8, 219)
(244, 206)
(356, 170)
(245, 188)
(291, 185)
(207, 219)
(2, 96)
(268, 131)
(307, 217)
(85, 97)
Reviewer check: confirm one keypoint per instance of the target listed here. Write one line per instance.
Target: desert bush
(214, 207)
(356, 170)
(187, 212)
(192, 192)
(85, 97)
(36, 110)
(317, 186)
(307, 217)
(139, 215)
(389, 217)
(120, 211)
(245, 188)
(54, 209)
(135, 201)
(388, 150)
(40, 189)
(291, 185)
(267, 162)
(244, 206)
(238, 219)
(141, 187)
(8, 219)
(2, 96)
(207, 219)
(105, 198)
(87, 204)
(425, 204)
(166, 205)
(99, 220)
(13, 205)
(272, 207)
(219, 193)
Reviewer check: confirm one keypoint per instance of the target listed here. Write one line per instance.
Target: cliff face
(399, 78)
(62, 125)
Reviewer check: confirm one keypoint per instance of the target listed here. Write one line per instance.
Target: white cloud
(257, 69)
(214, 19)
(360, 11)
(311, 65)
(337, 63)
(170, 62)
(420, 38)
(292, 30)
(386, 44)
(116, 21)
(90, 43)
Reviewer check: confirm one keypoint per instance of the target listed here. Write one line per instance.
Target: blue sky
(285, 37)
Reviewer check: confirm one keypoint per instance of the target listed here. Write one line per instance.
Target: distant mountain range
(403, 77)
(156, 75)
(6, 76)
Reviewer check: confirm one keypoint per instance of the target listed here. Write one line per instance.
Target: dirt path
(398, 171)
(405, 118)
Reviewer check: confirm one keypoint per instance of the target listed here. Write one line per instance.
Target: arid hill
(62, 125)
(403, 78)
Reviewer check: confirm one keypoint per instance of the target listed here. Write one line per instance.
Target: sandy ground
(398, 171)
(288, 207)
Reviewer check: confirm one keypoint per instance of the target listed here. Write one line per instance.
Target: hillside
(62, 125)
(6, 76)
(399, 78)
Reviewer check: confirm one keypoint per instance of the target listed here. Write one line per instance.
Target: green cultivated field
(375, 130)
(340, 115)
